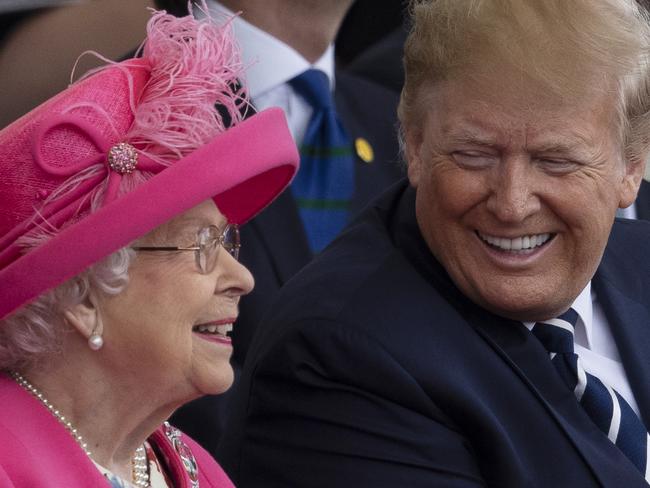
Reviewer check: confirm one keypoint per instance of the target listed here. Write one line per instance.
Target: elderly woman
(120, 201)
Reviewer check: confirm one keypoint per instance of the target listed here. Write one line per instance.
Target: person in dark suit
(487, 322)
(280, 40)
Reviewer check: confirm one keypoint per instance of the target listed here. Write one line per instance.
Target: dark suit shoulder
(335, 338)
(642, 202)
(368, 283)
(627, 234)
(626, 253)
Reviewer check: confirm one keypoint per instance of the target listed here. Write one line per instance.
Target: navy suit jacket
(274, 245)
(373, 370)
(642, 201)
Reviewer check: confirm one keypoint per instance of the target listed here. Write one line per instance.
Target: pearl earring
(95, 341)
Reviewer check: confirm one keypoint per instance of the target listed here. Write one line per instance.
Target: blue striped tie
(608, 410)
(324, 184)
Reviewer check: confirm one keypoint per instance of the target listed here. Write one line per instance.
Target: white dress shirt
(270, 64)
(627, 213)
(595, 345)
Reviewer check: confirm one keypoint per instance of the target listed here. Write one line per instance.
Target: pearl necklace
(139, 461)
(140, 468)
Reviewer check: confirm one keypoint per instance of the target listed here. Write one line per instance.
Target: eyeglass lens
(209, 240)
(231, 242)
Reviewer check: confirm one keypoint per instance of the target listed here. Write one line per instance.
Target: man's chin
(516, 302)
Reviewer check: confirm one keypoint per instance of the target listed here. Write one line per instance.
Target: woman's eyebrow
(195, 223)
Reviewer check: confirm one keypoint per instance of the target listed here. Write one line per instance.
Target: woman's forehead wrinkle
(187, 226)
(176, 231)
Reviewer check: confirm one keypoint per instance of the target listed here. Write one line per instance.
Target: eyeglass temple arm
(165, 248)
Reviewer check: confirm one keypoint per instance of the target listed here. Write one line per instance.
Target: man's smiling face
(517, 191)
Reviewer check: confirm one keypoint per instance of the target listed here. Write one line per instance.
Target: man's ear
(84, 318)
(412, 141)
(634, 171)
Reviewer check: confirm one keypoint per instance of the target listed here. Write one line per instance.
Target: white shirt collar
(270, 62)
(628, 212)
(584, 307)
(583, 304)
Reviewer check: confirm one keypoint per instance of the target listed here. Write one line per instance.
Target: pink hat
(129, 147)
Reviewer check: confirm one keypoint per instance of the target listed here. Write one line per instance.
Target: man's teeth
(518, 243)
(222, 329)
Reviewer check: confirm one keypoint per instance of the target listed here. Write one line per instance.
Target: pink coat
(37, 451)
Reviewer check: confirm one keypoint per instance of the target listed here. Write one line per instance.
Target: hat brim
(242, 169)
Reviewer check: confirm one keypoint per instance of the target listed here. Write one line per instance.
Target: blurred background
(40, 40)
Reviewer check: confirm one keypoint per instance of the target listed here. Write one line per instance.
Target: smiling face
(167, 328)
(517, 191)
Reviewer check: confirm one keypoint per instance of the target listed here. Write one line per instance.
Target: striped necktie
(324, 184)
(608, 410)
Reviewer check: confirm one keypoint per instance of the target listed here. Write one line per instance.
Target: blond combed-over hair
(569, 47)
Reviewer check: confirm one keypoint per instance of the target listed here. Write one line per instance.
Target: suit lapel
(527, 357)
(630, 324)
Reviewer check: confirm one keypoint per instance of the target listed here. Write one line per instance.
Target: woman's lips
(216, 331)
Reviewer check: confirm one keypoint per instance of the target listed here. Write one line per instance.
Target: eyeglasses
(207, 246)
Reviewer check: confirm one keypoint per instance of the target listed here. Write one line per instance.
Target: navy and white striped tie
(609, 410)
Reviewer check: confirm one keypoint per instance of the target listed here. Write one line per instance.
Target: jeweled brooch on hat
(122, 158)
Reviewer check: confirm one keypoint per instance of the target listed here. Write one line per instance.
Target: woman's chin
(216, 382)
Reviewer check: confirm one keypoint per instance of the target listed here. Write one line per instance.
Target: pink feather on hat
(194, 66)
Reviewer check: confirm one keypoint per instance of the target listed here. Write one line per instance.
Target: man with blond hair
(487, 322)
